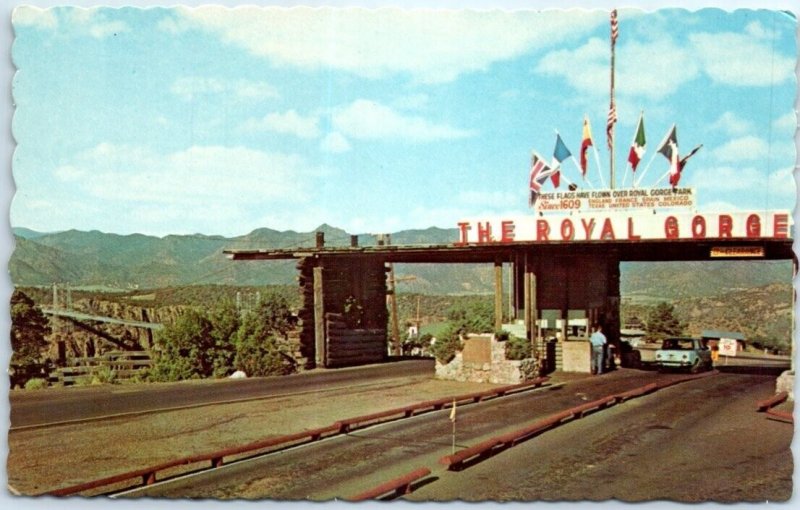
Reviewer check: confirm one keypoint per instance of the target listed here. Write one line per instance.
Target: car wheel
(696, 367)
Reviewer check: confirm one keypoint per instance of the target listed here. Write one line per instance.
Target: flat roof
(624, 250)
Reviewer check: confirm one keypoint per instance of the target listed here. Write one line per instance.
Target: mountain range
(101, 260)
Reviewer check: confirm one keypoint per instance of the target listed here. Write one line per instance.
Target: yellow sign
(737, 251)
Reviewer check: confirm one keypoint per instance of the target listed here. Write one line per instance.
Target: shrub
(447, 345)
(36, 384)
(260, 339)
(474, 316)
(104, 375)
(518, 348)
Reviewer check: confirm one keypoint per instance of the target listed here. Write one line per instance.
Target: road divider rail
(216, 459)
(348, 424)
(395, 487)
(767, 405)
(458, 460)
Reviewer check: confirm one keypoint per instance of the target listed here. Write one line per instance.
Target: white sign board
(727, 346)
(616, 199)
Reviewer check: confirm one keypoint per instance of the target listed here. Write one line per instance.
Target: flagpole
(578, 166)
(453, 420)
(599, 171)
(644, 172)
(612, 111)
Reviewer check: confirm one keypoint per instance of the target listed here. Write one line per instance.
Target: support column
(498, 295)
(319, 319)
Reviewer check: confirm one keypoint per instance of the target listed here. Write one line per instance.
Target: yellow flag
(453, 411)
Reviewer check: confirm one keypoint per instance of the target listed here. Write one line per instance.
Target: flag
(453, 412)
(669, 149)
(673, 180)
(612, 119)
(560, 153)
(638, 145)
(586, 142)
(539, 174)
(614, 27)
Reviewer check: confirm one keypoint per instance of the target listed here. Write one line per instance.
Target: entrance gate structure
(567, 263)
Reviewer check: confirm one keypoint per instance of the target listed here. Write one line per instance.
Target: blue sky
(216, 121)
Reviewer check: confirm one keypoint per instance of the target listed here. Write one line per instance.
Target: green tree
(186, 348)
(261, 339)
(226, 321)
(473, 316)
(29, 330)
(662, 323)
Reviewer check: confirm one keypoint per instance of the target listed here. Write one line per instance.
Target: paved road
(346, 465)
(698, 441)
(30, 408)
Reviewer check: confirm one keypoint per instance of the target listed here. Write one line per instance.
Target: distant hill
(96, 259)
(26, 233)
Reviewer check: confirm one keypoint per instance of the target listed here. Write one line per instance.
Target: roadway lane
(694, 442)
(40, 408)
(346, 465)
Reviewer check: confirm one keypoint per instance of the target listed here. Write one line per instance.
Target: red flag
(586, 142)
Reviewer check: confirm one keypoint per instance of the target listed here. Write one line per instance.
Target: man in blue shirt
(598, 340)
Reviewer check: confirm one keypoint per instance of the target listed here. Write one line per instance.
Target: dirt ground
(104, 448)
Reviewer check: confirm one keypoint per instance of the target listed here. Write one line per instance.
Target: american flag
(612, 119)
(540, 171)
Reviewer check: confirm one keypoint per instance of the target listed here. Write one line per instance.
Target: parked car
(684, 353)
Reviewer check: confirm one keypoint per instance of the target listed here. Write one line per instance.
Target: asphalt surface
(695, 442)
(346, 465)
(30, 408)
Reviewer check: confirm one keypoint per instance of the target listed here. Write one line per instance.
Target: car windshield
(678, 344)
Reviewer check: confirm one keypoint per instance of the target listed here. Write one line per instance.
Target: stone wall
(483, 360)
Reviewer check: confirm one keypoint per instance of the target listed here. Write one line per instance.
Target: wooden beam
(498, 295)
(319, 319)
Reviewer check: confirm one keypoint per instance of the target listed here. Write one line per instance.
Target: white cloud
(245, 89)
(745, 148)
(645, 69)
(30, 16)
(289, 123)
(102, 30)
(786, 122)
(431, 46)
(335, 143)
(69, 173)
(411, 102)
(741, 60)
(189, 88)
(658, 67)
(368, 120)
(731, 124)
(751, 181)
(210, 175)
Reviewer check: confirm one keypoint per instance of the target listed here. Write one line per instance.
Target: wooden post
(319, 319)
(534, 311)
(526, 296)
(498, 295)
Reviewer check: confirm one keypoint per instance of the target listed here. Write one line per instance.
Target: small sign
(737, 251)
(727, 346)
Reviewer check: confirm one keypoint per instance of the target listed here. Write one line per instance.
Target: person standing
(598, 341)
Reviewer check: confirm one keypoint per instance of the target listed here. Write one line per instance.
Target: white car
(684, 353)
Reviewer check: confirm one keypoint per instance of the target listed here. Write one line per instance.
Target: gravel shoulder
(104, 448)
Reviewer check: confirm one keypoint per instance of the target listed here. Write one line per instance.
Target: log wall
(354, 302)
